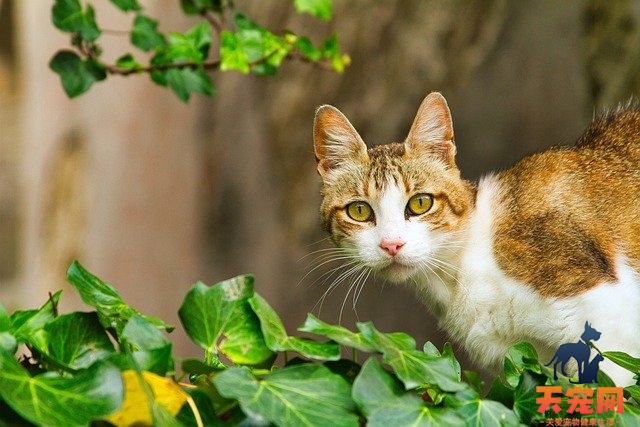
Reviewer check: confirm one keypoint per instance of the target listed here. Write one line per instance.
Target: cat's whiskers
(339, 270)
(353, 267)
(358, 283)
(362, 279)
(334, 276)
(329, 289)
(317, 242)
(427, 270)
(435, 265)
(328, 256)
(323, 251)
(447, 267)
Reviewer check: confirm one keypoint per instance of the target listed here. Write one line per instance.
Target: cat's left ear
(335, 141)
(432, 130)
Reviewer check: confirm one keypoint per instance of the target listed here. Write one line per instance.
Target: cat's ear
(335, 141)
(432, 130)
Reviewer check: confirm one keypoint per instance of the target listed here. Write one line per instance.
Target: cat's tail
(553, 359)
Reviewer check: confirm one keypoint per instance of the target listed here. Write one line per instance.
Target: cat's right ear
(432, 130)
(335, 141)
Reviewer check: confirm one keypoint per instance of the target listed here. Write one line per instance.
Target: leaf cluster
(115, 366)
(224, 39)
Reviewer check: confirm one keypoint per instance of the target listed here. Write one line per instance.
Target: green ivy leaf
(384, 402)
(447, 353)
(219, 319)
(623, 359)
(199, 36)
(190, 47)
(112, 311)
(232, 55)
(521, 357)
(322, 9)
(604, 380)
(331, 51)
(145, 35)
(253, 48)
(77, 75)
(524, 405)
(8, 342)
(475, 380)
(28, 325)
(162, 417)
(338, 334)
(77, 340)
(306, 48)
(430, 349)
(477, 412)
(5, 320)
(299, 395)
(195, 7)
(68, 16)
(61, 401)
(277, 339)
(205, 410)
(151, 350)
(634, 392)
(501, 392)
(128, 62)
(185, 81)
(126, 5)
(629, 418)
(413, 367)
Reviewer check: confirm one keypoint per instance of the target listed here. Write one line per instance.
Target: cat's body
(527, 254)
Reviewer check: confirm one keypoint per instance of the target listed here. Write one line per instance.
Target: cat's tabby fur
(527, 254)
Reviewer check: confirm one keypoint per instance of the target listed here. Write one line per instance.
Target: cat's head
(394, 208)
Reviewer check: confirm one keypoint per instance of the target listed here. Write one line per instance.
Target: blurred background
(151, 194)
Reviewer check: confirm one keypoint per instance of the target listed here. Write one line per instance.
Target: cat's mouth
(397, 271)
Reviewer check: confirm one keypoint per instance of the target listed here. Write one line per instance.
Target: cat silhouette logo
(581, 352)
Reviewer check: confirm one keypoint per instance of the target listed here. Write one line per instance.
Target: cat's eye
(419, 204)
(359, 211)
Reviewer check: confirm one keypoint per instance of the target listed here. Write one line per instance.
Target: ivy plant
(225, 39)
(114, 365)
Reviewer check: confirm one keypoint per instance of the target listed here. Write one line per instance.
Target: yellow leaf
(136, 408)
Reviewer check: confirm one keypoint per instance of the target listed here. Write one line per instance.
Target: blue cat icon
(581, 352)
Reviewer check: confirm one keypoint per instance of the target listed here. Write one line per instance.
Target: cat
(590, 373)
(580, 351)
(525, 254)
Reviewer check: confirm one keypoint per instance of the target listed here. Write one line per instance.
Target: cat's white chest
(488, 311)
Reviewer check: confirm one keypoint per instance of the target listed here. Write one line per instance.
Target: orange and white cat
(527, 254)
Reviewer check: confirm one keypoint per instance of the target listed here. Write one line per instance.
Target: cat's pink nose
(392, 247)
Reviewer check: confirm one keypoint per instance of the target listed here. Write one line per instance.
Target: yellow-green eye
(419, 204)
(359, 211)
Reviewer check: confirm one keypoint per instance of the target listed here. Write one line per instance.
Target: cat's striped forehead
(387, 164)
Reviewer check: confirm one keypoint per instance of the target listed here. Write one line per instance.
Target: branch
(207, 65)
(212, 18)
(212, 65)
